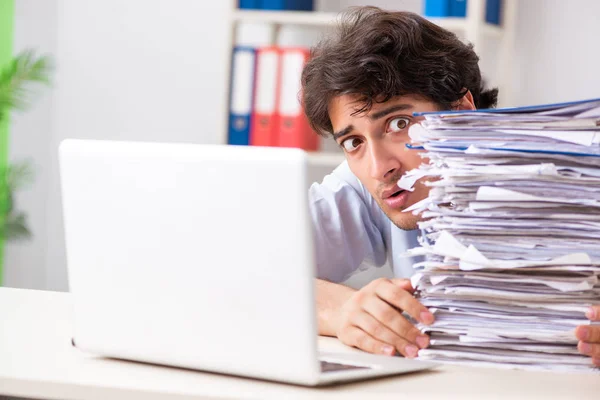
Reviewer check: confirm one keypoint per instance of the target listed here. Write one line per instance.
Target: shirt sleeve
(347, 226)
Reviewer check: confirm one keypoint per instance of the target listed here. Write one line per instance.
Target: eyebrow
(343, 132)
(376, 116)
(389, 110)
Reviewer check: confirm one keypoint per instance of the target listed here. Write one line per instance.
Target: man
(361, 87)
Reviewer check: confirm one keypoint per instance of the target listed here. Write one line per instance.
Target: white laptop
(199, 256)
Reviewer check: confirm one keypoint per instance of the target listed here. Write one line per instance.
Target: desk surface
(38, 361)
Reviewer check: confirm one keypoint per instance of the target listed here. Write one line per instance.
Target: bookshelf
(473, 28)
(317, 18)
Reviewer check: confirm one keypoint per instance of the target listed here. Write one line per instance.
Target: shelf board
(313, 18)
(455, 24)
(319, 18)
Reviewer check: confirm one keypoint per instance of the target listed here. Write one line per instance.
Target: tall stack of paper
(511, 233)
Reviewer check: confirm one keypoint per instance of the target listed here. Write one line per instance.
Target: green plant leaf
(19, 175)
(6, 203)
(15, 227)
(17, 83)
(16, 79)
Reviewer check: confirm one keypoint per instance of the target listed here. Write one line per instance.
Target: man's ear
(466, 102)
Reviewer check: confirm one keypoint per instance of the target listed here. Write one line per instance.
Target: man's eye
(397, 124)
(351, 144)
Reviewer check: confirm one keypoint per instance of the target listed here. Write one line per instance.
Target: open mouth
(397, 199)
(396, 194)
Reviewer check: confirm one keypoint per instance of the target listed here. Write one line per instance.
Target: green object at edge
(7, 12)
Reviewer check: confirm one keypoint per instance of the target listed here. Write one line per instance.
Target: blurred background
(160, 70)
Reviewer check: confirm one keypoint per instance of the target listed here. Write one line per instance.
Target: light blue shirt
(351, 232)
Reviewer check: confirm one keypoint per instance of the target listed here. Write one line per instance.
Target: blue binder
(458, 8)
(492, 11)
(241, 95)
(304, 5)
(436, 8)
(295, 5)
(249, 4)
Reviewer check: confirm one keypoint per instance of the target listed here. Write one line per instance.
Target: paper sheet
(408, 180)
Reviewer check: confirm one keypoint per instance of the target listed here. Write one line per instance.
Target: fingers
(393, 319)
(372, 319)
(382, 333)
(356, 337)
(589, 341)
(587, 333)
(593, 313)
(400, 298)
(403, 284)
(589, 349)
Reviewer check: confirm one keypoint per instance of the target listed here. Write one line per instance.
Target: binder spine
(241, 95)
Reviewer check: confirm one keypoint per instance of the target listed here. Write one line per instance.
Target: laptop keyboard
(327, 366)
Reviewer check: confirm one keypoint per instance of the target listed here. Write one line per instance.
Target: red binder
(263, 131)
(294, 129)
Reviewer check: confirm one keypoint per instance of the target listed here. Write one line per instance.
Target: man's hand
(371, 318)
(589, 336)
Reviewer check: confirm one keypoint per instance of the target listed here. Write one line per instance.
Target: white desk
(38, 361)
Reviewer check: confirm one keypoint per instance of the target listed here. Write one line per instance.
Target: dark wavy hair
(378, 54)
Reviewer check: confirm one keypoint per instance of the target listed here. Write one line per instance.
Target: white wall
(557, 56)
(136, 70)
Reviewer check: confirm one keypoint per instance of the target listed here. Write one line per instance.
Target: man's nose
(384, 163)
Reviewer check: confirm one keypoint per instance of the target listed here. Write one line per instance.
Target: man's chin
(404, 220)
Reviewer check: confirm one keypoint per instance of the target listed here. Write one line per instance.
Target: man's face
(374, 144)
